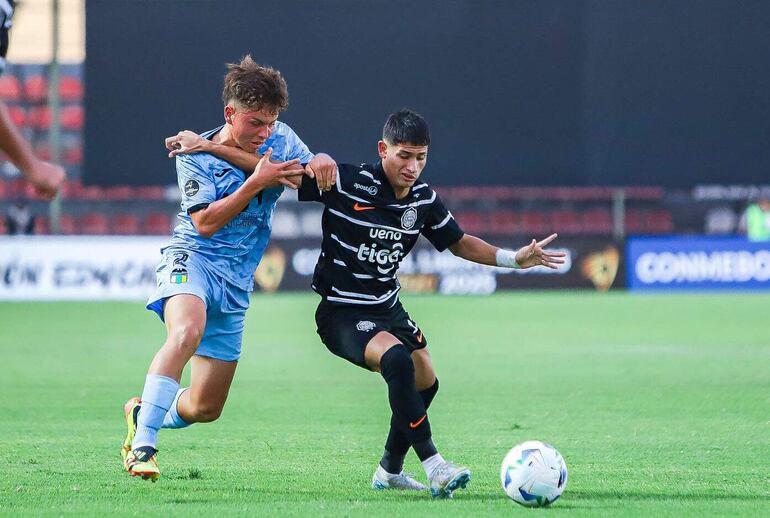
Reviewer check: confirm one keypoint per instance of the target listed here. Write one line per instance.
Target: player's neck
(224, 137)
(400, 193)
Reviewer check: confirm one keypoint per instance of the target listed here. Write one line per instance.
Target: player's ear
(382, 149)
(229, 111)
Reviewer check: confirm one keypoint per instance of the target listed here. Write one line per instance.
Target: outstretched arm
(321, 166)
(46, 177)
(479, 251)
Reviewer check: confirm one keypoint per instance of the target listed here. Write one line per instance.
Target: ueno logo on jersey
(381, 233)
(381, 257)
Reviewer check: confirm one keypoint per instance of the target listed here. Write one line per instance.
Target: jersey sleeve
(308, 190)
(295, 148)
(6, 13)
(440, 227)
(196, 184)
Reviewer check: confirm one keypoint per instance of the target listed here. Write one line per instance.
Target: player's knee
(185, 336)
(204, 412)
(397, 361)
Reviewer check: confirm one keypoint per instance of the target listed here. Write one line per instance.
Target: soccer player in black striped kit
(371, 220)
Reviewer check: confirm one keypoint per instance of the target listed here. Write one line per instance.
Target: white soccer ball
(533, 474)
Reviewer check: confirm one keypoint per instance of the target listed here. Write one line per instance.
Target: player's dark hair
(406, 127)
(254, 86)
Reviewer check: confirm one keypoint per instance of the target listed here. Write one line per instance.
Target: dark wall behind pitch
(564, 92)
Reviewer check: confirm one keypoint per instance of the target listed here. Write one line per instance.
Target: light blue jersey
(235, 250)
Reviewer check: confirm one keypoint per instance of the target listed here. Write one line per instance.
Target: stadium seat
(534, 223)
(43, 151)
(36, 89)
(504, 222)
(124, 224)
(73, 154)
(3, 228)
(93, 223)
(67, 224)
(72, 117)
(70, 88)
(597, 221)
(150, 192)
(18, 116)
(472, 222)
(41, 225)
(119, 192)
(157, 223)
(39, 117)
(4, 188)
(567, 222)
(10, 88)
(91, 192)
(659, 222)
(635, 222)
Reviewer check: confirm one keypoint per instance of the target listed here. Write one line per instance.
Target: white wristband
(506, 258)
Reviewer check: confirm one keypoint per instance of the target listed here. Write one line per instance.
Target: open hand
(272, 174)
(534, 255)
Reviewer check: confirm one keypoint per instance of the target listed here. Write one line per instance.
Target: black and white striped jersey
(6, 14)
(367, 232)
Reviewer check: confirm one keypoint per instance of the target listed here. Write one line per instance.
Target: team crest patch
(191, 188)
(409, 218)
(365, 325)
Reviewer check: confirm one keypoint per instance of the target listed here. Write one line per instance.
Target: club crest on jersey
(191, 188)
(365, 326)
(409, 218)
(369, 189)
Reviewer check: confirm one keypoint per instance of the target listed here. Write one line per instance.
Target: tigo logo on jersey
(409, 218)
(191, 188)
(365, 325)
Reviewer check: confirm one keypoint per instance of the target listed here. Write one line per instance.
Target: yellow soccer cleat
(130, 411)
(143, 462)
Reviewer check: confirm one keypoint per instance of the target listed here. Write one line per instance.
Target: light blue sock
(159, 393)
(172, 419)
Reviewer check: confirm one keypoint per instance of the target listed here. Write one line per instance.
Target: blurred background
(637, 130)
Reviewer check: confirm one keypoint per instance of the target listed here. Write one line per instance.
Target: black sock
(407, 405)
(397, 445)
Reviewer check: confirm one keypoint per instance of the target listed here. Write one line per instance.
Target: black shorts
(346, 331)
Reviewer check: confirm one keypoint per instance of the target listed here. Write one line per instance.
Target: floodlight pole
(54, 132)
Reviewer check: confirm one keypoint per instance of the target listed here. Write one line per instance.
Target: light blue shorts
(184, 272)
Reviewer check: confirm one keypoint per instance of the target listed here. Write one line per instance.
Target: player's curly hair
(254, 86)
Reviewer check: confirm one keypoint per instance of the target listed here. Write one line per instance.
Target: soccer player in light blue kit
(206, 273)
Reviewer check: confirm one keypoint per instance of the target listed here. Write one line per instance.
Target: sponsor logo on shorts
(191, 188)
(409, 218)
(365, 326)
(370, 189)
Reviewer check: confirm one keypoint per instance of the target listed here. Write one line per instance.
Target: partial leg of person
(204, 399)
(185, 318)
(397, 444)
(386, 354)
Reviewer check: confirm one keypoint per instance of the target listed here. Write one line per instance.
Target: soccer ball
(533, 474)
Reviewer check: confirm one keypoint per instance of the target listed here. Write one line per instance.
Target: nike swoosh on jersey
(359, 208)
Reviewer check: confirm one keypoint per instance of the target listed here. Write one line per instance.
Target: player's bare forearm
(238, 157)
(14, 145)
(218, 214)
(472, 248)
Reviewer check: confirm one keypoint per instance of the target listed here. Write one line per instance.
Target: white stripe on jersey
(367, 276)
(341, 191)
(373, 225)
(7, 9)
(349, 247)
(446, 220)
(414, 204)
(363, 295)
(421, 186)
(370, 175)
(366, 302)
(337, 261)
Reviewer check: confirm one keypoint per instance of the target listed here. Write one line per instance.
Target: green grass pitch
(660, 405)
